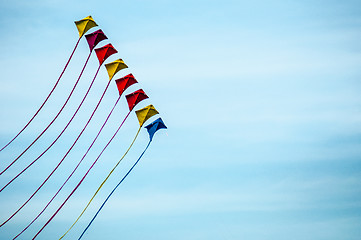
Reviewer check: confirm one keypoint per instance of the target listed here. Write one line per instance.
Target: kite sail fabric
(152, 129)
(94, 38)
(53, 144)
(84, 25)
(114, 67)
(53, 122)
(135, 97)
(56, 212)
(145, 113)
(126, 82)
(104, 52)
(149, 114)
(80, 25)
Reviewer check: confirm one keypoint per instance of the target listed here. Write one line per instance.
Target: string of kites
(143, 114)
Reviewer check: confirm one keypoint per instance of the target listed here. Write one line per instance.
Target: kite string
(42, 105)
(100, 130)
(52, 120)
(96, 214)
(101, 185)
(44, 152)
(76, 187)
(71, 119)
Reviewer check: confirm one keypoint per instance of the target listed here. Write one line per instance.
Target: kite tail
(52, 120)
(43, 153)
(76, 187)
(101, 185)
(42, 105)
(106, 120)
(114, 190)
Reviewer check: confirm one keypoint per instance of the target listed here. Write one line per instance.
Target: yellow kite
(114, 67)
(84, 25)
(145, 113)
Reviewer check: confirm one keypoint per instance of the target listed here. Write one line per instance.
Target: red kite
(124, 82)
(104, 52)
(94, 38)
(135, 97)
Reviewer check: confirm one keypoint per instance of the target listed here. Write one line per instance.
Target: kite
(102, 53)
(152, 129)
(143, 115)
(83, 26)
(138, 99)
(93, 39)
(122, 84)
(103, 58)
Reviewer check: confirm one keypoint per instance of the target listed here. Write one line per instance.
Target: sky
(261, 100)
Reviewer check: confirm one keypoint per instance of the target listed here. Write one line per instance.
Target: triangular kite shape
(134, 98)
(94, 38)
(104, 52)
(115, 67)
(84, 25)
(154, 127)
(145, 113)
(124, 82)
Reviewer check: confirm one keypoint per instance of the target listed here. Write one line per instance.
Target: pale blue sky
(262, 103)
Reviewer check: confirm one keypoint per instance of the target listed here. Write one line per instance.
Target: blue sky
(262, 103)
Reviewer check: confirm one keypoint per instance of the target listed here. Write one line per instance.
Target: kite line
(52, 144)
(37, 159)
(93, 39)
(106, 120)
(83, 26)
(96, 214)
(102, 54)
(149, 114)
(152, 128)
(101, 185)
(42, 105)
(122, 84)
(76, 83)
(82, 179)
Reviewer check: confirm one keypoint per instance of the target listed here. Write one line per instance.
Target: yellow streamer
(101, 185)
